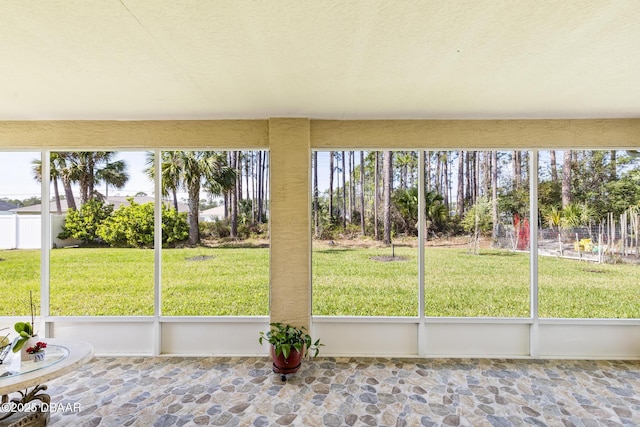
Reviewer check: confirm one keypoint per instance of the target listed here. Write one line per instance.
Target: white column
(533, 251)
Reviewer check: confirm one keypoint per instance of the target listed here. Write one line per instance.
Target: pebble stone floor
(181, 391)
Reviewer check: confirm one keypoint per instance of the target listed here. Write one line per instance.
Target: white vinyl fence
(23, 232)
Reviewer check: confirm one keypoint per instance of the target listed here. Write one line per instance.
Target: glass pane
(20, 233)
(215, 259)
(362, 267)
(588, 247)
(477, 241)
(102, 261)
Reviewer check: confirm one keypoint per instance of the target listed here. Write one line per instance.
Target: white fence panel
(29, 236)
(8, 231)
(23, 232)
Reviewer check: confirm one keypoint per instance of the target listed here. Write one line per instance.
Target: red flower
(40, 346)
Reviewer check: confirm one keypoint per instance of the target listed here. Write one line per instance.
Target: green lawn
(234, 281)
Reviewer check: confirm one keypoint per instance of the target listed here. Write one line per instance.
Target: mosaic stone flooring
(170, 391)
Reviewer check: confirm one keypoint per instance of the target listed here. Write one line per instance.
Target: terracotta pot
(286, 366)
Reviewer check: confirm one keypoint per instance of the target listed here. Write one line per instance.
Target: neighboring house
(213, 214)
(6, 206)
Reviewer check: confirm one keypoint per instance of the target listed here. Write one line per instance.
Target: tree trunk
(174, 194)
(344, 192)
(375, 197)
(566, 178)
(438, 177)
(427, 168)
(260, 186)
(517, 171)
(460, 197)
(614, 166)
(238, 168)
(486, 171)
(494, 193)
(362, 224)
(467, 182)
(554, 166)
(387, 188)
(253, 197)
(56, 193)
(194, 203)
(445, 179)
(476, 170)
(68, 193)
(331, 186)
(234, 197)
(351, 205)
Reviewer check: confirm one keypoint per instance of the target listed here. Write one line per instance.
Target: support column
(290, 221)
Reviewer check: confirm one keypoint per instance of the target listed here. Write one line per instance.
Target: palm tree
(55, 174)
(192, 170)
(170, 171)
(87, 168)
(114, 174)
(67, 176)
(59, 170)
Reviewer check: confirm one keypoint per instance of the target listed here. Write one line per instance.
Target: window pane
(477, 242)
(588, 248)
(218, 263)
(103, 259)
(355, 272)
(20, 233)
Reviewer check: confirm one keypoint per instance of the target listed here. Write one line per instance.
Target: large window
(588, 246)
(476, 234)
(217, 264)
(19, 232)
(364, 219)
(101, 263)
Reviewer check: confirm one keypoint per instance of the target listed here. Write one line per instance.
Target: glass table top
(13, 366)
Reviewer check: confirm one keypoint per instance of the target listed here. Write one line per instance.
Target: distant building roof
(217, 211)
(116, 201)
(6, 206)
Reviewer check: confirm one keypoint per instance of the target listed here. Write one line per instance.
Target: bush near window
(132, 226)
(128, 226)
(83, 224)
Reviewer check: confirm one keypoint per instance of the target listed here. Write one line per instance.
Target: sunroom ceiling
(357, 59)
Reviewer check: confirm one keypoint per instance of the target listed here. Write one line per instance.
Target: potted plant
(26, 335)
(288, 346)
(37, 351)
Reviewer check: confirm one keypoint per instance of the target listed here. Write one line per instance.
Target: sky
(17, 180)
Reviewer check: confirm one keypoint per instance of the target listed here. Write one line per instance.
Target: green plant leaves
(285, 337)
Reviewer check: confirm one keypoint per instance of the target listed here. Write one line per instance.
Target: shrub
(84, 224)
(484, 221)
(132, 226)
(217, 229)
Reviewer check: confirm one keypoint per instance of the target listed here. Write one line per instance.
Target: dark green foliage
(623, 193)
(174, 226)
(284, 338)
(514, 202)
(132, 226)
(83, 224)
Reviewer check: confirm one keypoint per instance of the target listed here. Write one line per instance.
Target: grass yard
(347, 281)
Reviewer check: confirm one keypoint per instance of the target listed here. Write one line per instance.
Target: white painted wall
(373, 337)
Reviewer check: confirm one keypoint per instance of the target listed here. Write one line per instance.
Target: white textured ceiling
(338, 59)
